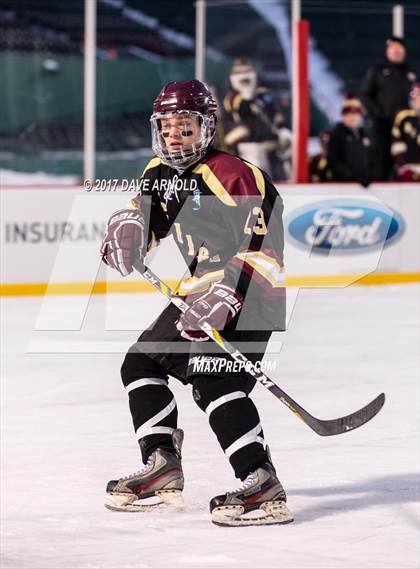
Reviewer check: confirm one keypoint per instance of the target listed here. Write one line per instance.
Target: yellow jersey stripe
(403, 115)
(265, 266)
(191, 285)
(152, 164)
(236, 102)
(227, 104)
(214, 184)
(259, 178)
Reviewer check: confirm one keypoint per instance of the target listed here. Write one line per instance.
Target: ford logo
(343, 226)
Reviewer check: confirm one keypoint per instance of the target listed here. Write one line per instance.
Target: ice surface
(67, 431)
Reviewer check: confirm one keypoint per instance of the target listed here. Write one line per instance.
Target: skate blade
(161, 500)
(269, 513)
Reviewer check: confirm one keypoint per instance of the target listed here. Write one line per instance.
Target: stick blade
(349, 422)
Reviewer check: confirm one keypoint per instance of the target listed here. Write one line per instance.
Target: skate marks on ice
(358, 491)
(100, 539)
(394, 492)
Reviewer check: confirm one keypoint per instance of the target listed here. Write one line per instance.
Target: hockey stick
(320, 426)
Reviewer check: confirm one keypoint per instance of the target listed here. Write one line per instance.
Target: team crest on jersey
(196, 199)
(172, 190)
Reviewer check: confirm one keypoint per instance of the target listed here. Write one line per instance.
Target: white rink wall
(335, 234)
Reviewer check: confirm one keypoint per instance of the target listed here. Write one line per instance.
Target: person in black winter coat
(384, 92)
(349, 147)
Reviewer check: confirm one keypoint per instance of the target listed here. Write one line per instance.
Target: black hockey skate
(158, 485)
(261, 500)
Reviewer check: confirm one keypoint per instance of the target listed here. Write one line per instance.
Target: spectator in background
(318, 164)
(384, 92)
(405, 147)
(349, 147)
(254, 125)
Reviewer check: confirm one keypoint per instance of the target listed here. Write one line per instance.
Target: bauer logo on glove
(217, 307)
(124, 240)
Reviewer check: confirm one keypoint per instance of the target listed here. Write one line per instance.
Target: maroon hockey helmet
(192, 95)
(183, 102)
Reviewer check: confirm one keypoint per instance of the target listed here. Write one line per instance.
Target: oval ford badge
(343, 226)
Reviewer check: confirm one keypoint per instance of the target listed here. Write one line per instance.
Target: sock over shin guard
(234, 420)
(152, 404)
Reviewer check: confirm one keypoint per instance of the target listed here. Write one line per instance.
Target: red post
(301, 101)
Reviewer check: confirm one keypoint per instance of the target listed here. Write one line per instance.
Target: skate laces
(142, 470)
(247, 483)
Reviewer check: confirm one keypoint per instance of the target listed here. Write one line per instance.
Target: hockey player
(405, 147)
(225, 216)
(318, 164)
(255, 128)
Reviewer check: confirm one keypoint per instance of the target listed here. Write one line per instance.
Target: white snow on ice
(67, 431)
(13, 178)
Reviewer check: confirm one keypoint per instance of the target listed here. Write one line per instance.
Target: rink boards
(335, 235)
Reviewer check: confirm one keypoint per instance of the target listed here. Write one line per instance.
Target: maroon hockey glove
(217, 306)
(124, 240)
